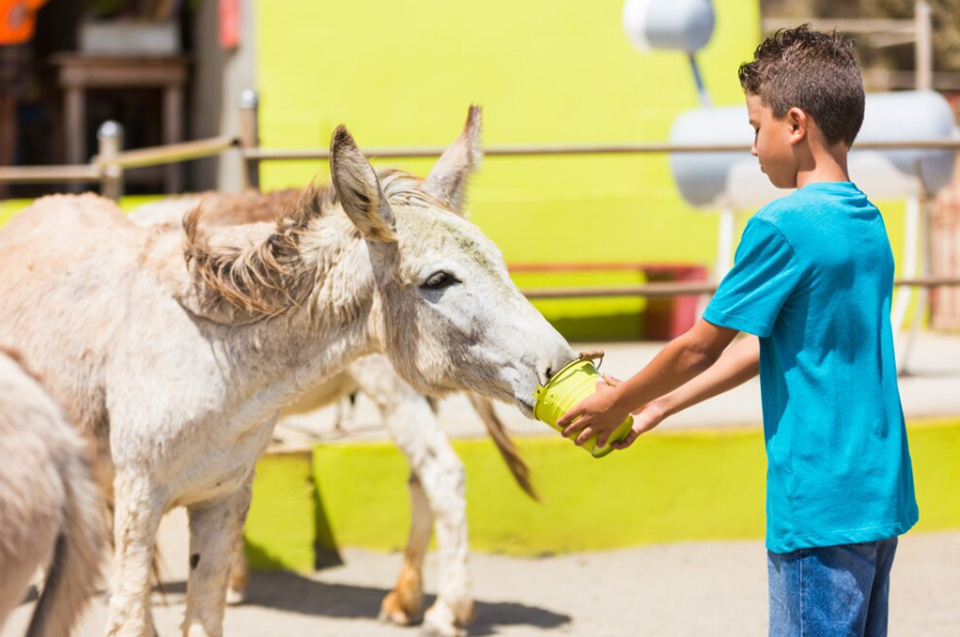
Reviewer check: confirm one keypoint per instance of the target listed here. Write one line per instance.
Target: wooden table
(77, 73)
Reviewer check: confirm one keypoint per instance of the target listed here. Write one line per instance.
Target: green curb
(703, 484)
(281, 528)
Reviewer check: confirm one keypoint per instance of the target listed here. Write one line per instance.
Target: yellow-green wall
(545, 71)
(704, 484)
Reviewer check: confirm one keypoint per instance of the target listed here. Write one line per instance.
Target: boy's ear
(799, 123)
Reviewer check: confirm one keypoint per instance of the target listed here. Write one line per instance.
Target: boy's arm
(739, 363)
(681, 360)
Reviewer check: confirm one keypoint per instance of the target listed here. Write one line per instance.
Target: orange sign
(17, 20)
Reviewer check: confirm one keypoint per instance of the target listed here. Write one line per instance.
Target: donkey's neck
(283, 357)
(276, 359)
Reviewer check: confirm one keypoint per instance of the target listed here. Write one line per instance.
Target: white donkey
(180, 367)
(437, 480)
(437, 488)
(51, 510)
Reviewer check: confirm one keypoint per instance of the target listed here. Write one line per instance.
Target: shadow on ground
(290, 592)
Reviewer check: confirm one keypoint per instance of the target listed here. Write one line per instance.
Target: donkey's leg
(239, 574)
(404, 603)
(215, 527)
(443, 481)
(137, 516)
(437, 491)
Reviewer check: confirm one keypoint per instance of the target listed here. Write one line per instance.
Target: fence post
(250, 136)
(923, 17)
(110, 139)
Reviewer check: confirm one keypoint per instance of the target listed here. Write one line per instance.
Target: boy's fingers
(574, 427)
(643, 425)
(584, 436)
(569, 417)
(610, 380)
(626, 442)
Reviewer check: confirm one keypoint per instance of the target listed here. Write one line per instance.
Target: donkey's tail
(511, 455)
(74, 572)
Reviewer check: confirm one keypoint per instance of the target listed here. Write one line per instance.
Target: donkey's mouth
(526, 405)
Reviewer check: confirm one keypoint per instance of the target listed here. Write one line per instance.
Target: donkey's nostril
(549, 373)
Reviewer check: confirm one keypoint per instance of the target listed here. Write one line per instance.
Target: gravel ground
(704, 588)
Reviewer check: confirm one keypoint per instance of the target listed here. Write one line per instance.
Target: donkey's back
(74, 268)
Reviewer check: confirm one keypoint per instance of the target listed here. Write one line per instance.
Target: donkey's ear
(359, 190)
(448, 179)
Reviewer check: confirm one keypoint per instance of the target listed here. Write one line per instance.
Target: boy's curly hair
(813, 71)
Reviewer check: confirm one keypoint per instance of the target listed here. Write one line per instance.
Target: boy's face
(773, 143)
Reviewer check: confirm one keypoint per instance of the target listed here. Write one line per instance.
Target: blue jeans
(833, 591)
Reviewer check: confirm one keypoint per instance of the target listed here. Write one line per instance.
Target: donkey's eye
(439, 280)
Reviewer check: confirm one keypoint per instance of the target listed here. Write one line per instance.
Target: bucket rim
(543, 388)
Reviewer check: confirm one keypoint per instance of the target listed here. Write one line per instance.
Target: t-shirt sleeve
(764, 275)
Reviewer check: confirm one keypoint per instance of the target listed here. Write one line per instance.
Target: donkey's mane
(241, 284)
(400, 187)
(247, 283)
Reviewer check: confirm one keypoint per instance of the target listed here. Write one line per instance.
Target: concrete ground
(715, 589)
(704, 588)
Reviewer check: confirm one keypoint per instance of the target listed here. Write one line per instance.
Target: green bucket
(572, 384)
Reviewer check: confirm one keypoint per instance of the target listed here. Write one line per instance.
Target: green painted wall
(282, 525)
(546, 71)
(673, 486)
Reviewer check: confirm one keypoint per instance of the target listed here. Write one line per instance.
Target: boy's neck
(823, 164)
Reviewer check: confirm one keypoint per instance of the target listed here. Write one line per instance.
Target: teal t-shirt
(813, 278)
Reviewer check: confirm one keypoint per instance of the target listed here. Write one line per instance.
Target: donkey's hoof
(395, 611)
(465, 612)
(442, 621)
(428, 630)
(235, 596)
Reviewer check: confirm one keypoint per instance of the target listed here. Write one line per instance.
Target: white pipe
(725, 240)
(901, 301)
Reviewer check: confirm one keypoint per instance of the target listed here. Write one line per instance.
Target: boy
(811, 284)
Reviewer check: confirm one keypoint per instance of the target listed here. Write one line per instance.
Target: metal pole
(250, 136)
(725, 242)
(924, 45)
(110, 139)
(698, 79)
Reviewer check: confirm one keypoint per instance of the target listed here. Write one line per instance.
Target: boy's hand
(596, 413)
(645, 419)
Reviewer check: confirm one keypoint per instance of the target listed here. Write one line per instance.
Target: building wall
(546, 72)
(218, 79)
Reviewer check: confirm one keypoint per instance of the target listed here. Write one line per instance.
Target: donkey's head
(388, 257)
(446, 311)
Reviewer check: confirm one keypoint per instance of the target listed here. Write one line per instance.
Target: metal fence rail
(107, 167)
(49, 174)
(671, 290)
(513, 150)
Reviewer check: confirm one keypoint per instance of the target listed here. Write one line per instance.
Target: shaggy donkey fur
(437, 478)
(51, 511)
(181, 379)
